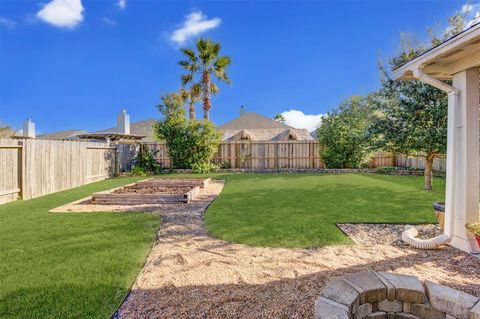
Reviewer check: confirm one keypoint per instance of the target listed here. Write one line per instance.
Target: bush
(474, 228)
(342, 134)
(225, 165)
(204, 167)
(145, 162)
(190, 143)
(138, 171)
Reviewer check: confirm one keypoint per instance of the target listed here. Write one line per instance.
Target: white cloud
(471, 12)
(194, 24)
(298, 119)
(466, 8)
(62, 13)
(7, 23)
(109, 22)
(122, 4)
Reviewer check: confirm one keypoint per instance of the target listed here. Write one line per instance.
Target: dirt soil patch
(189, 274)
(141, 189)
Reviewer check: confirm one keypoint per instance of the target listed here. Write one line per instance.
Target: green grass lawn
(81, 265)
(77, 265)
(301, 210)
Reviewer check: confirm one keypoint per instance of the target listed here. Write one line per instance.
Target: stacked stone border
(309, 170)
(390, 296)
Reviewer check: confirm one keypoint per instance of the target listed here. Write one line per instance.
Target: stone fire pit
(390, 296)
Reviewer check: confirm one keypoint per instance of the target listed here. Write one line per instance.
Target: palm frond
(190, 54)
(186, 78)
(192, 67)
(214, 88)
(222, 62)
(196, 90)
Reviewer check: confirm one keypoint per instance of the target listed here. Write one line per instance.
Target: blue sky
(74, 65)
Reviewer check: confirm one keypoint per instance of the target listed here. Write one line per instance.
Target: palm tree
(202, 66)
(279, 118)
(191, 96)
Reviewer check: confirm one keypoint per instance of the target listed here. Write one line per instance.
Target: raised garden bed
(156, 191)
(200, 182)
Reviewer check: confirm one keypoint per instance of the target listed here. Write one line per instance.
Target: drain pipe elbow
(410, 234)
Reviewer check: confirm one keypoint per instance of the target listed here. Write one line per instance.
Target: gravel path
(189, 274)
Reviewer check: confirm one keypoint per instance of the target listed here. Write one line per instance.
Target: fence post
(21, 168)
(312, 154)
(237, 155)
(275, 158)
(117, 163)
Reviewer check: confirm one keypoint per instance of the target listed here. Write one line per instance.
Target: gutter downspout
(425, 78)
(410, 234)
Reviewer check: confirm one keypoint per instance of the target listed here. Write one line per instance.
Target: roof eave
(405, 72)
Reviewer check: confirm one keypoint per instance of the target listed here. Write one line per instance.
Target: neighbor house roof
(255, 127)
(272, 134)
(252, 120)
(441, 62)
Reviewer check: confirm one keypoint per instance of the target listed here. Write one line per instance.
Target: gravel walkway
(192, 275)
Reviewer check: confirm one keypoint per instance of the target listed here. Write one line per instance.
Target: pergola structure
(458, 60)
(111, 137)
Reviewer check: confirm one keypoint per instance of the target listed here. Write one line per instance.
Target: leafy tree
(411, 117)
(6, 131)
(173, 129)
(202, 66)
(279, 118)
(342, 134)
(190, 143)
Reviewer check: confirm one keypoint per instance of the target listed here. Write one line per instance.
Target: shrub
(190, 142)
(204, 167)
(474, 228)
(138, 171)
(225, 165)
(342, 134)
(145, 162)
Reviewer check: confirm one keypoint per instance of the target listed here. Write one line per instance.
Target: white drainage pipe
(410, 234)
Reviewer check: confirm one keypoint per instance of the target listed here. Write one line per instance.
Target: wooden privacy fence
(31, 168)
(418, 162)
(270, 155)
(254, 155)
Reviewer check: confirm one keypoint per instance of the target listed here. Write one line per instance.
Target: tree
(191, 96)
(411, 117)
(279, 118)
(202, 66)
(6, 131)
(172, 128)
(342, 134)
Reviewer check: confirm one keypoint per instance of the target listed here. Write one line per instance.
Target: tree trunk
(191, 110)
(206, 95)
(427, 186)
